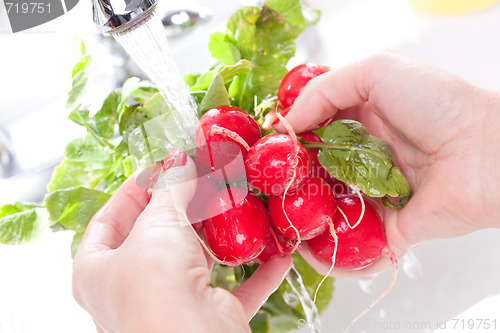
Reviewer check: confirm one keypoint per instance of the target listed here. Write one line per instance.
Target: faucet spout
(112, 16)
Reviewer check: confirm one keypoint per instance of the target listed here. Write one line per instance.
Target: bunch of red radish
(288, 198)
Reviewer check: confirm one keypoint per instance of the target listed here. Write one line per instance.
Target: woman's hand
(444, 132)
(140, 268)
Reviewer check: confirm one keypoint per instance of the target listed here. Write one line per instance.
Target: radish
(238, 228)
(338, 187)
(357, 247)
(349, 247)
(276, 164)
(294, 82)
(206, 188)
(224, 133)
(277, 247)
(305, 214)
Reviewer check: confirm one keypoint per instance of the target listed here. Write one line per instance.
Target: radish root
(273, 234)
(293, 164)
(387, 253)
(336, 239)
(230, 134)
(363, 206)
(363, 210)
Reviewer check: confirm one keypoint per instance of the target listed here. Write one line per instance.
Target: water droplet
(411, 266)
(367, 285)
(290, 299)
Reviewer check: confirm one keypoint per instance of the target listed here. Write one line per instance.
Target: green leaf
(228, 73)
(74, 207)
(74, 173)
(87, 163)
(22, 223)
(16, 208)
(105, 119)
(149, 131)
(216, 95)
(77, 238)
(136, 115)
(79, 87)
(88, 149)
(261, 322)
(223, 50)
(81, 117)
(203, 81)
(353, 156)
(191, 79)
(297, 15)
(266, 38)
(128, 88)
(143, 93)
(82, 63)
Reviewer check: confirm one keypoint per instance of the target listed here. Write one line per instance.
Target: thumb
(162, 234)
(171, 194)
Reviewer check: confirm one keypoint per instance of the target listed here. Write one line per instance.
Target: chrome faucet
(116, 16)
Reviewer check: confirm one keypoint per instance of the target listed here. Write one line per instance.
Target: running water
(311, 311)
(147, 44)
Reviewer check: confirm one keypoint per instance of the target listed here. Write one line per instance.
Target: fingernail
(175, 158)
(148, 177)
(283, 113)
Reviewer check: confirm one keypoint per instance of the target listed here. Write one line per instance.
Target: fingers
(255, 291)
(163, 230)
(113, 222)
(172, 192)
(328, 93)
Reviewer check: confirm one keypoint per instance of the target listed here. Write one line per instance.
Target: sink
(444, 279)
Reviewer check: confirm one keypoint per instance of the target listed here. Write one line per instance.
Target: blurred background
(440, 281)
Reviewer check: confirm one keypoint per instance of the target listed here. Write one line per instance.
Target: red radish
(276, 164)
(357, 247)
(206, 188)
(351, 247)
(238, 228)
(277, 247)
(295, 80)
(338, 187)
(224, 133)
(308, 210)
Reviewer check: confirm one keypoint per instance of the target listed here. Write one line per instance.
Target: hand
(444, 132)
(140, 268)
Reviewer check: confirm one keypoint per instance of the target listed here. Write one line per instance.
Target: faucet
(117, 16)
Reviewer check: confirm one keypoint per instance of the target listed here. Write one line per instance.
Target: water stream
(310, 310)
(147, 45)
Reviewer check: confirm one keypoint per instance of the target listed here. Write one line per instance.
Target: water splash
(147, 45)
(367, 285)
(310, 310)
(411, 265)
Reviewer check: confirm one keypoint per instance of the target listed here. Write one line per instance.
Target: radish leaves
(353, 156)
(21, 223)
